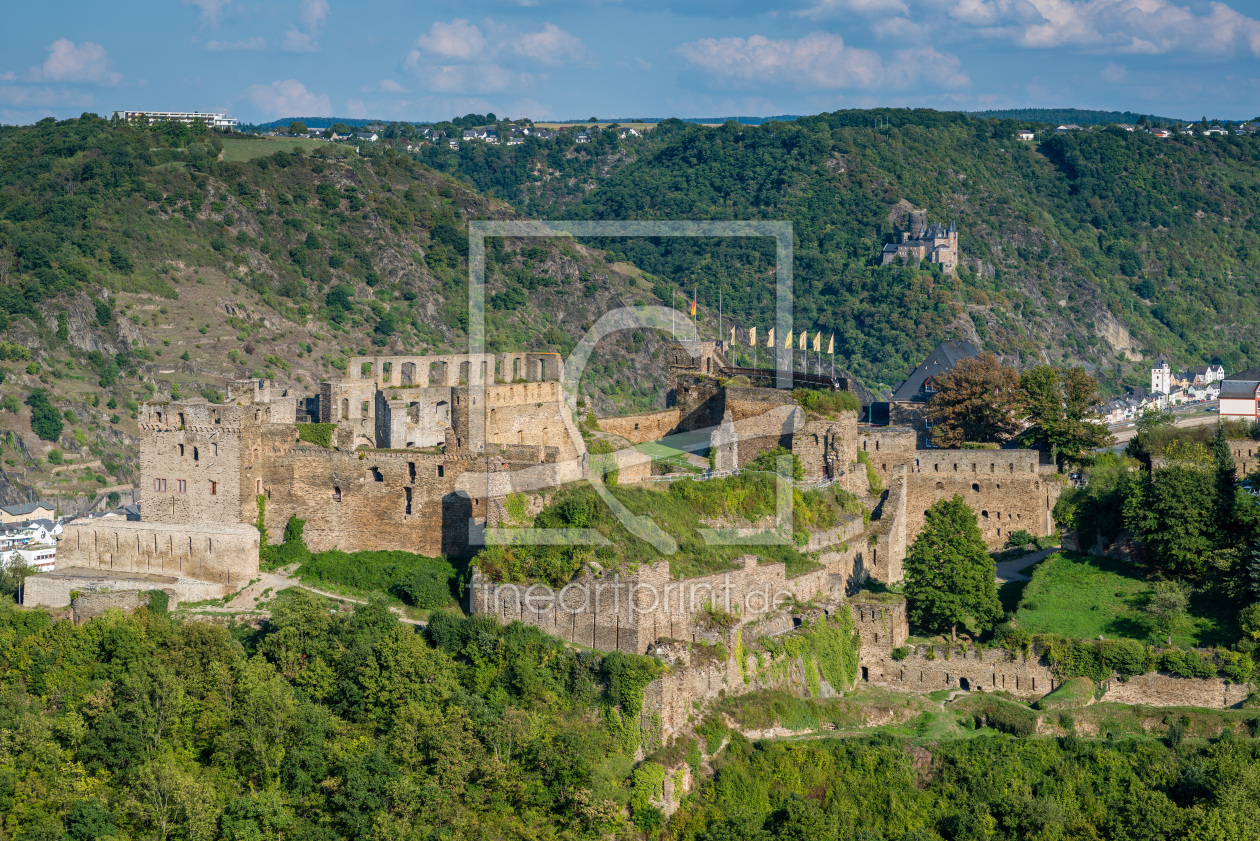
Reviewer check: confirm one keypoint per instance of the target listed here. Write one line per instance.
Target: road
(1186, 416)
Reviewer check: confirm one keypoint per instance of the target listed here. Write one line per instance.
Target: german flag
(693, 307)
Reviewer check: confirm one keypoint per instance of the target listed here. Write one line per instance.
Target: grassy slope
(231, 263)
(1085, 596)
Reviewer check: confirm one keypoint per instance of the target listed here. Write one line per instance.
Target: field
(1085, 597)
(248, 148)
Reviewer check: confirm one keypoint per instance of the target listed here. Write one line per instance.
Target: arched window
(336, 496)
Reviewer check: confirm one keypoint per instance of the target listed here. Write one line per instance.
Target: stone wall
(629, 613)
(1246, 455)
(224, 554)
(1163, 690)
(638, 429)
(912, 416)
(827, 449)
(59, 588)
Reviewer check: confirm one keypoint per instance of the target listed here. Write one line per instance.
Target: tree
(1172, 512)
(297, 127)
(978, 400)
(949, 574)
(1167, 608)
(45, 419)
(1059, 411)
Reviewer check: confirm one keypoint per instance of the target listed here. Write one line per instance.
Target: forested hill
(139, 263)
(1092, 247)
(1078, 116)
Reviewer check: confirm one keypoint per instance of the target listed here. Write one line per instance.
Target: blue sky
(263, 59)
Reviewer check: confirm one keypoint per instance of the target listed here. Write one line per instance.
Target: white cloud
(8, 77)
(551, 45)
(71, 62)
(289, 98)
(235, 46)
(457, 56)
(457, 39)
(210, 10)
(313, 13)
(384, 86)
(300, 38)
(1124, 26)
(819, 60)
(839, 8)
(1114, 72)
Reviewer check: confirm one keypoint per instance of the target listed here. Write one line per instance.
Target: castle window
(159, 417)
(411, 472)
(258, 486)
(345, 407)
(181, 486)
(407, 496)
(636, 427)
(181, 418)
(214, 489)
(984, 514)
(159, 485)
(363, 408)
(336, 494)
(196, 454)
(975, 487)
(217, 418)
(181, 449)
(884, 467)
(441, 470)
(377, 475)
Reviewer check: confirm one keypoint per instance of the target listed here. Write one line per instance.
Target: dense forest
(324, 725)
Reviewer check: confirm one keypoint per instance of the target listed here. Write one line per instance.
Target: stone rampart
(224, 554)
(629, 613)
(1163, 690)
(638, 429)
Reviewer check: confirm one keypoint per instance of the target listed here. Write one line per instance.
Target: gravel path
(1010, 570)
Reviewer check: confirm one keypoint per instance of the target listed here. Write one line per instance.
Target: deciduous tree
(950, 578)
(1059, 411)
(978, 400)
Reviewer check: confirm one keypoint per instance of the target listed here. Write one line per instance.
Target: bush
(417, 580)
(317, 433)
(1007, 717)
(45, 419)
(55, 456)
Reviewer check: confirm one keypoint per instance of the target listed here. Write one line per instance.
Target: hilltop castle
(936, 242)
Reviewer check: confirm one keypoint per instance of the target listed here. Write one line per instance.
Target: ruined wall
(699, 400)
(637, 429)
(883, 627)
(826, 448)
(190, 461)
(225, 554)
(1008, 489)
(629, 613)
(1163, 690)
(912, 416)
(1246, 455)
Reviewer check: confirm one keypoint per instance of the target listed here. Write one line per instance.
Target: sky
(573, 59)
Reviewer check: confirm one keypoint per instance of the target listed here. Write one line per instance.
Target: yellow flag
(831, 345)
(732, 335)
(818, 342)
(787, 342)
(752, 336)
(804, 338)
(770, 338)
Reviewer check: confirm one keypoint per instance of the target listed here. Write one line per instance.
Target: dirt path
(1010, 570)
(249, 598)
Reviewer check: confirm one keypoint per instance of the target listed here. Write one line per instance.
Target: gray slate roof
(944, 358)
(1243, 384)
(25, 508)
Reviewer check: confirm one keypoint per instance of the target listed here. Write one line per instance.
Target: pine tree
(950, 578)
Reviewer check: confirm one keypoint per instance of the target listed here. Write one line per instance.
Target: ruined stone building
(415, 447)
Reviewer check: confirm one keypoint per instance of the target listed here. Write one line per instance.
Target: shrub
(901, 652)
(45, 419)
(417, 580)
(317, 433)
(55, 456)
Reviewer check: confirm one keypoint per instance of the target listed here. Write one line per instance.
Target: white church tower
(1161, 377)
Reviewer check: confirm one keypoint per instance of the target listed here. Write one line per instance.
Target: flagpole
(719, 313)
(695, 291)
(673, 307)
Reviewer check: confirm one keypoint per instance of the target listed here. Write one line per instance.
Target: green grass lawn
(1085, 596)
(248, 148)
